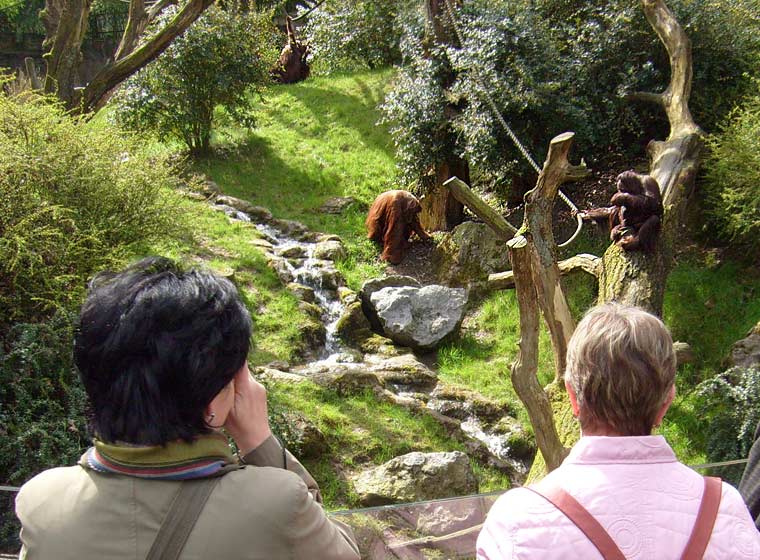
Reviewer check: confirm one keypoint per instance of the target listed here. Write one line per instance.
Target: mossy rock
(353, 327)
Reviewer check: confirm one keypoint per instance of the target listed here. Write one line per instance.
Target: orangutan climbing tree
(292, 65)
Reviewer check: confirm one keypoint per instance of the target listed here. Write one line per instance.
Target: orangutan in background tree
(635, 216)
(292, 66)
(391, 220)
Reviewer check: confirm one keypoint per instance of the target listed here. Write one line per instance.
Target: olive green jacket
(265, 510)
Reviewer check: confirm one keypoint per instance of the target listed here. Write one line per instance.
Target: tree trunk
(440, 209)
(65, 24)
(638, 278)
(525, 366)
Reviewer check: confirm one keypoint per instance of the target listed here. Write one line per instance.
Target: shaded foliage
(214, 63)
(731, 406)
(42, 408)
(556, 65)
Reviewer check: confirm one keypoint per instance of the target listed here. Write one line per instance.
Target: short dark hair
(154, 345)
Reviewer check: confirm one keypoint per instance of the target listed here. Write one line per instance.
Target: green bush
(75, 197)
(557, 65)
(42, 408)
(214, 63)
(732, 171)
(347, 36)
(730, 404)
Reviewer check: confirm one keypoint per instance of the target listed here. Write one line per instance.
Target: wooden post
(464, 194)
(525, 366)
(538, 222)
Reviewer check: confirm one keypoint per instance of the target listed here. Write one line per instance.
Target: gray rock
(293, 229)
(421, 318)
(304, 293)
(346, 379)
(255, 213)
(417, 476)
(281, 268)
(746, 352)
(337, 204)
(331, 250)
(278, 376)
(469, 254)
(375, 284)
(292, 252)
(402, 370)
(303, 438)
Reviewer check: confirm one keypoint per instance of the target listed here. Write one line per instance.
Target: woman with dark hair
(162, 355)
(620, 493)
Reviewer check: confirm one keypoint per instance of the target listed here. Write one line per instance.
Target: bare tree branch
(119, 70)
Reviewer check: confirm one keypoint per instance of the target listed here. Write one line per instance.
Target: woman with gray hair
(621, 492)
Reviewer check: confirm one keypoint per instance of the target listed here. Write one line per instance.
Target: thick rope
(523, 150)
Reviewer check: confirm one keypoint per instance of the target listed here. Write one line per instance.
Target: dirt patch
(417, 262)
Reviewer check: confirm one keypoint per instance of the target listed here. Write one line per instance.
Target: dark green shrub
(732, 171)
(42, 408)
(730, 404)
(355, 35)
(75, 197)
(214, 63)
(556, 65)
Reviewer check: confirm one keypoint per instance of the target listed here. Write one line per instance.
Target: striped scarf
(208, 455)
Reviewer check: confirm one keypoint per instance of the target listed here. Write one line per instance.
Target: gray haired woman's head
(621, 366)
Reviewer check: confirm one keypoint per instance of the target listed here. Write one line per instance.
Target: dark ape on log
(635, 216)
(391, 220)
(292, 66)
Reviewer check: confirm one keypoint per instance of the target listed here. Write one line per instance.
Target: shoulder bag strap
(576, 513)
(703, 527)
(181, 518)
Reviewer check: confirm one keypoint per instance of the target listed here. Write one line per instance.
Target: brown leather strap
(576, 513)
(181, 518)
(708, 511)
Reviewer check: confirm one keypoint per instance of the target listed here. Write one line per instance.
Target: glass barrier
(436, 529)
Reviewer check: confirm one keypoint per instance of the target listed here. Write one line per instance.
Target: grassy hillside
(321, 139)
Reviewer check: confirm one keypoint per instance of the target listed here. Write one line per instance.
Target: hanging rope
(483, 91)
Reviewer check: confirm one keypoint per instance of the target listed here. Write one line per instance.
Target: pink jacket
(637, 490)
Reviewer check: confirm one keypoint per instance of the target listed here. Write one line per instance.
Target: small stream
(322, 278)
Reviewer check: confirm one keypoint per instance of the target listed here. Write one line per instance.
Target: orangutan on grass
(391, 220)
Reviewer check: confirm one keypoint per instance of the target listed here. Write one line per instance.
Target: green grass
(313, 141)
(320, 139)
(362, 431)
(225, 247)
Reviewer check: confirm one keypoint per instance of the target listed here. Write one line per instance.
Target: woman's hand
(248, 422)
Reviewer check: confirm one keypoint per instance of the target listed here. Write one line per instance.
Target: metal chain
(523, 150)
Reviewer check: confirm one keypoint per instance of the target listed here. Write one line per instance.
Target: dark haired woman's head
(154, 345)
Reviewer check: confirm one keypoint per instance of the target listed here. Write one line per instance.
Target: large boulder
(421, 318)
(468, 254)
(376, 284)
(746, 352)
(417, 476)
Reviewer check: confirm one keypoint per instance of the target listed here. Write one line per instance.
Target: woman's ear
(215, 413)
(573, 399)
(666, 405)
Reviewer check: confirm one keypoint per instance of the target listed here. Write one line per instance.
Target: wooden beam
(491, 217)
(584, 261)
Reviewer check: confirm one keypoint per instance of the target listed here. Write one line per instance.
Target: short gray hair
(621, 365)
